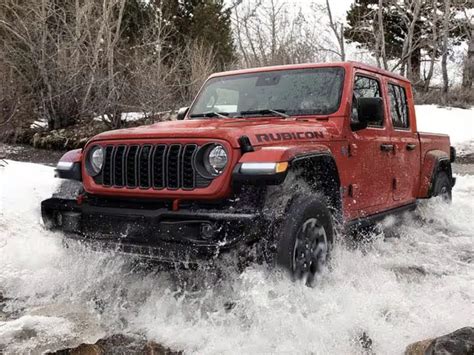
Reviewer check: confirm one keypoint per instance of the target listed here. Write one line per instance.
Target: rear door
(370, 155)
(406, 157)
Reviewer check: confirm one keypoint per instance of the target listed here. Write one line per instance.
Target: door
(406, 159)
(370, 154)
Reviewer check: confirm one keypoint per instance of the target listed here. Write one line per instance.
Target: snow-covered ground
(396, 290)
(456, 122)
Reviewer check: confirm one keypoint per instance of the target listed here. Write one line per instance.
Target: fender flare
(69, 166)
(72, 156)
(275, 154)
(322, 162)
(433, 162)
(284, 153)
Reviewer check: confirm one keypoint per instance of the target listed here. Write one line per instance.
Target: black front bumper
(185, 236)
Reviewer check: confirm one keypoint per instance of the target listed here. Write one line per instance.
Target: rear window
(398, 106)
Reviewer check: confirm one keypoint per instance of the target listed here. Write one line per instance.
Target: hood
(261, 131)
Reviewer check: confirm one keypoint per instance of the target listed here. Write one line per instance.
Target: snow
(39, 124)
(126, 117)
(456, 122)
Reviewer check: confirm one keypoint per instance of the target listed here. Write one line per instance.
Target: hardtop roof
(347, 65)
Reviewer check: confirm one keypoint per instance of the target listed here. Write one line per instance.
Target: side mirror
(369, 110)
(182, 113)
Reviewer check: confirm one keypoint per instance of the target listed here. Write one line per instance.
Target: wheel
(304, 238)
(442, 187)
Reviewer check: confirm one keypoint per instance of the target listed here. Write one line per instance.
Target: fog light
(207, 231)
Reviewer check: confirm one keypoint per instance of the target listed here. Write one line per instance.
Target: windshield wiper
(211, 114)
(267, 111)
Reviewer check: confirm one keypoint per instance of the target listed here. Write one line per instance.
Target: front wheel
(305, 238)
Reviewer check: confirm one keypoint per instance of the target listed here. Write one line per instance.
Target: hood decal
(288, 136)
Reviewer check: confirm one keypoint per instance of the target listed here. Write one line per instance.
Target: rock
(119, 344)
(460, 342)
(83, 349)
(152, 348)
(418, 348)
(364, 341)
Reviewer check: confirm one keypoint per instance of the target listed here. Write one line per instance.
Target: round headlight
(96, 160)
(216, 159)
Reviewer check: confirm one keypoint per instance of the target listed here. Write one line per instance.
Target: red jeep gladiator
(274, 158)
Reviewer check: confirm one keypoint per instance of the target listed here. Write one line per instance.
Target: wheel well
(443, 165)
(321, 174)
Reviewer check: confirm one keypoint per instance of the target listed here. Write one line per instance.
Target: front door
(370, 154)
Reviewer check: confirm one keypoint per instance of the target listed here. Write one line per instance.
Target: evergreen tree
(206, 21)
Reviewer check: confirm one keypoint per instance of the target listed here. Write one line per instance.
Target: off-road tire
(442, 187)
(304, 238)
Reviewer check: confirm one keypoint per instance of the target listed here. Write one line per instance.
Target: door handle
(411, 146)
(387, 147)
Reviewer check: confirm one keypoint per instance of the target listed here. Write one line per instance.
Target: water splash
(413, 281)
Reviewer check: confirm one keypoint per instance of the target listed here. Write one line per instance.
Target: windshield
(315, 91)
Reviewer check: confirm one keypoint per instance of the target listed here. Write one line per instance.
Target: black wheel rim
(310, 251)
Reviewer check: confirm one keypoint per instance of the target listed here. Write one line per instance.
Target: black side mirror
(369, 110)
(182, 113)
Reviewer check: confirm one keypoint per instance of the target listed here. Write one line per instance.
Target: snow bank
(457, 123)
(126, 117)
(39, 124)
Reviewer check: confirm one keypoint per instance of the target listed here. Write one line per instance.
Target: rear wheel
(305, 238)
(442, 187)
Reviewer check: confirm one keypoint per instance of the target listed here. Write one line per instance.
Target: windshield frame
(211, 79)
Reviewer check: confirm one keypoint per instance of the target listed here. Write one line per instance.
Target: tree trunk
(410, 53)
(444, 58)
(339, 33)
(434, 49)
(468, 71)
(415, 66)
(381, 34)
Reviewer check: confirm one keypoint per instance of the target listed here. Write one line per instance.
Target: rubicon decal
(288, 136)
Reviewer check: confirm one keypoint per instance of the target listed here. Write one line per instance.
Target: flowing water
(412, 282)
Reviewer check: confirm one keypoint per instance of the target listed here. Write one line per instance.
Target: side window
(365, 87)
(398, 106)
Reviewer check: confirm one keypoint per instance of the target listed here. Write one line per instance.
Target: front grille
(151, 167)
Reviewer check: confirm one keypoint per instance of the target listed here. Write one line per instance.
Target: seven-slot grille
(149, 166)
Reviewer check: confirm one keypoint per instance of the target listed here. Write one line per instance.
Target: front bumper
(185, 236)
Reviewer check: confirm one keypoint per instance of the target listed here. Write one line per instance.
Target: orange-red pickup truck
(272, 157)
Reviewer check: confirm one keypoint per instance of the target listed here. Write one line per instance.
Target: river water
(414, 281)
